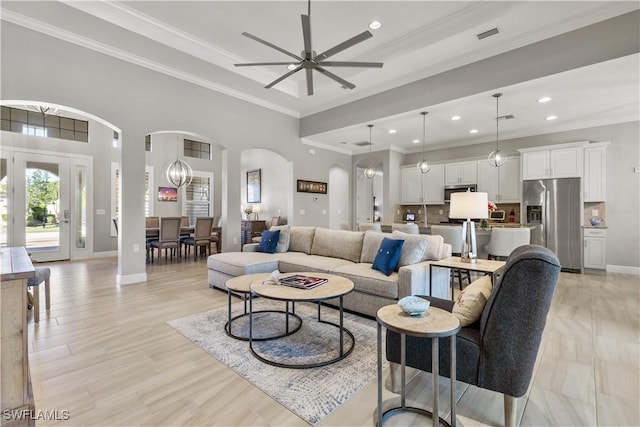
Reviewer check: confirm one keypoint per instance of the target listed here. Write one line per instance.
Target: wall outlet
(100, 212)
(397, 211)
(324, 211)
(301, 212)
(235, 240)
(636, 169)
(594, 212)
(136, 248)
(420, 211)
(440, 212)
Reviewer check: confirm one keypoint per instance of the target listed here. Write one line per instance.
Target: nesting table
(434, 324)
(490, 267)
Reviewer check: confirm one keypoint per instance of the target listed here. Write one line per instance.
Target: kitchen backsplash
(597, 211)
(435, 217)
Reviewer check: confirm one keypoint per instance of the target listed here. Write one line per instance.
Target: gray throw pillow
(285, 234)
(413, 249)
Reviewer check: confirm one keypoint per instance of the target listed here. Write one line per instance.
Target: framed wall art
(311, 187)
(253, 186)
(167, 194)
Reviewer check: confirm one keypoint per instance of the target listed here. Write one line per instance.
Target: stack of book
(302, 282)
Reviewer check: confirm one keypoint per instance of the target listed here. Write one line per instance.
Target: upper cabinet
(561, 161)
(418, 188)
(501, 184)
(595, 167)
(461, 173)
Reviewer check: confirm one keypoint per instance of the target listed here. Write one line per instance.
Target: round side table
(434, 324)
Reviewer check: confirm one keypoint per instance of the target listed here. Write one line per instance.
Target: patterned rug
(310, 393)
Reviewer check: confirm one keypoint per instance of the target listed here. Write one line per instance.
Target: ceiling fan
(309, 60)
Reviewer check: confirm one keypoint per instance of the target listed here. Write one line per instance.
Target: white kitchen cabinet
(418, 188)
(561, 161)
(595, 248)
(595, 168)
(434, 185)
(460, 173)
(503, 184)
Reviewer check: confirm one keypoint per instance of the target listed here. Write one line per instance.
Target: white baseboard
(105, 254)
(131, 279)
(623, 269)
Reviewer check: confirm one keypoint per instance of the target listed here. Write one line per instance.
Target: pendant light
(370, 171)
(423, 165)
(497, 157)
(179, 173)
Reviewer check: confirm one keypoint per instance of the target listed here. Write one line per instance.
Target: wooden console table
(251, 229)
(16, 395)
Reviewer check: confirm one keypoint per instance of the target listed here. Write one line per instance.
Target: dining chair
(452, 234)
(275, 221)
(201, 237)
(364, 226)
(152, 222)
(406, 228)
(169, 237)
(216, 233)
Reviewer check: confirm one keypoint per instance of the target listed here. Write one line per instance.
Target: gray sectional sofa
(346, 253)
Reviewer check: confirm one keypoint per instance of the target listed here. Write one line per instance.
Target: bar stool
(42, 275)
(452, 234)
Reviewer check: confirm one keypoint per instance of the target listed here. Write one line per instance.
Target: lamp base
(468, 260)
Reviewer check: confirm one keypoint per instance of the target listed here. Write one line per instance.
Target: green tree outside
(42, 190)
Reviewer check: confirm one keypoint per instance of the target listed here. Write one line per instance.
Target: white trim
(623, 269)
(130, 279)
(105, 254)
(69, 37)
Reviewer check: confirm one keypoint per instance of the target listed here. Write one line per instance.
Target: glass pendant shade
(370, 171)
(423, 165)
(497, 158)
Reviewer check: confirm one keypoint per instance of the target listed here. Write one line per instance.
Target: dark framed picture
(167, 194)
(311, 187)
(253, 186)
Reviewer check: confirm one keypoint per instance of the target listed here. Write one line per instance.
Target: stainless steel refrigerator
(553, 208)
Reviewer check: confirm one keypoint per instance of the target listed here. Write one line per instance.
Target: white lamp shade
(256, 208)
(469, 205)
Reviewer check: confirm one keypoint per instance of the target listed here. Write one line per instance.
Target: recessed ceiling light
(473, 131)
(454, 118)
(392, 131)
(551, 117)
(374, 25)
(544, 99)
(291, 66)
(416, 141)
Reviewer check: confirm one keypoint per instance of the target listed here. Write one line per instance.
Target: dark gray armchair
(497, 352)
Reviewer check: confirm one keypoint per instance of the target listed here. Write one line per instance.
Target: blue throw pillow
(269, 241)
(388, 256)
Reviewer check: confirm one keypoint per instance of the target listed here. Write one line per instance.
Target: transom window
(39, 124)
(199, 150)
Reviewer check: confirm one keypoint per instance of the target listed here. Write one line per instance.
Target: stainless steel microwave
(458, 189)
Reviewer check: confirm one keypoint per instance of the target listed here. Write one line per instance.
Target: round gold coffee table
(335, 287)
(241, 285)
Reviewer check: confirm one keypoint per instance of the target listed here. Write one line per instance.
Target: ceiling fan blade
(350, 64)
(271, 45)
(306, 35)
(251, 64)
(309, 81)
(344, 45)
(284, 76)
(336, 78)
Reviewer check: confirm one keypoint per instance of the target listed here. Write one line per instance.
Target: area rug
(312, 393)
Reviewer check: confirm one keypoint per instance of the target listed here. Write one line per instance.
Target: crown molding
(94, 45)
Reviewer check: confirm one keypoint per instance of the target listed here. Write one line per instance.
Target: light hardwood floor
(105, 354)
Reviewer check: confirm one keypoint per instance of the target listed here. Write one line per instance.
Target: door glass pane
(42, 206)
(81, 207)
(4, 211)
(198, 198)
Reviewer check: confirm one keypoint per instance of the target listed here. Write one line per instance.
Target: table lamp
(256, 210)
(467, 205)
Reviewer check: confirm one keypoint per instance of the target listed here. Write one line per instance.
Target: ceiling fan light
(374, 25)
(497, 158)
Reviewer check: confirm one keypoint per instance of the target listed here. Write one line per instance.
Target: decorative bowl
(413, 306)
(595, 221)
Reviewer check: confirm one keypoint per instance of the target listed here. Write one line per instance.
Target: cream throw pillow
(471, 301)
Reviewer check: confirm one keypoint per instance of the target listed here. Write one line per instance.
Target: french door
(38, 208)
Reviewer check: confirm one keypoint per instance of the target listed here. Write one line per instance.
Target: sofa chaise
(346, 253)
